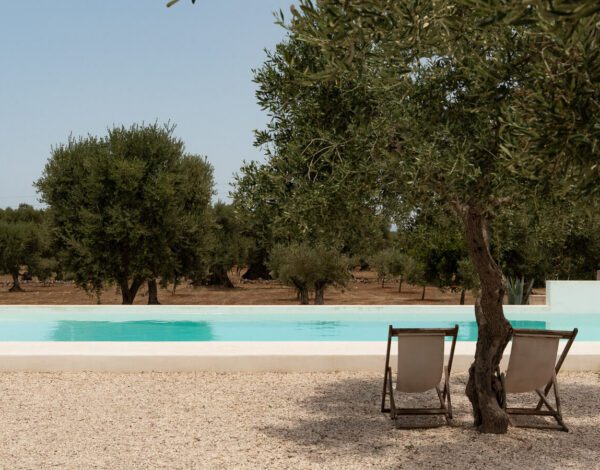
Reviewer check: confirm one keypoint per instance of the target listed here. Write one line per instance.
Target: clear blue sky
(73, 66)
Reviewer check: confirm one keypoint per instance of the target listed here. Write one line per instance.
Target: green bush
(307, 268)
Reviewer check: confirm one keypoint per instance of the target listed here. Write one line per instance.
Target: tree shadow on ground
(342, 417)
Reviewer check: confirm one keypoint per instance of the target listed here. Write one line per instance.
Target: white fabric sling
(532, 362)
(420, 362)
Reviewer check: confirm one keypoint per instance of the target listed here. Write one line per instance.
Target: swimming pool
(69, 324)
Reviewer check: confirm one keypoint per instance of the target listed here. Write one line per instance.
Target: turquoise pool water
(17, 325)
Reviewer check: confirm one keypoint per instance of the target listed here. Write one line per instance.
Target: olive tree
(448, 85)
(128, 207)
(309, 269)
(228, 245)
(484, 106)
(23, 243)
(306, 191)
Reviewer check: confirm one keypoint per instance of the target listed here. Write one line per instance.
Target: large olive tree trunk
(320, 293)
(219, 277)
(301, 290)
(257, 266)
(16, 287)
(494, 329)
(128, 292)
(152, 292)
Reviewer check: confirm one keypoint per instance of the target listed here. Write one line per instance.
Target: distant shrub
(308, 268)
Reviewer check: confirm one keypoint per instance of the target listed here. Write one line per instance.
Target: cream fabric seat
(420, 368)
(420, 362)
(531, 364)
(532, 368)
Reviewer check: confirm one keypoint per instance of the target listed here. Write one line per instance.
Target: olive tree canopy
(476, 114)
(128, 207)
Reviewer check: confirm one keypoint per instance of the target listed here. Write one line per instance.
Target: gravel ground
(270, 420)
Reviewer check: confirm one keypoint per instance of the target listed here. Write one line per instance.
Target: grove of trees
(444, 143)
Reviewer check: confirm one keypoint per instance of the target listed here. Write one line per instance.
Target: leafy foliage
(24, 243)
(301, 193)
(472, 115)
(308, 268)
(518, 291)
(228, 245)
(128, 207)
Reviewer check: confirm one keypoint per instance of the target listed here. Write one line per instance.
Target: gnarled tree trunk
(219, 277)
(494, 330)
(16, 287)
(152, 292)
(257, 267)
(319, 293)
(302, 291)
(128, 293)
(462, 296)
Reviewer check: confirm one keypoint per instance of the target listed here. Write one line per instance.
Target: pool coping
(293, 356)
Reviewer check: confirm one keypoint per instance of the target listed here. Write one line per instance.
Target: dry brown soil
(364, 289)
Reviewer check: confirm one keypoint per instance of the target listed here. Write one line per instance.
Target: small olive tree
(24, 243)
(307, 269)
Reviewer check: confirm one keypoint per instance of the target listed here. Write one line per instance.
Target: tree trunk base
(152, 292)
(488, 417)
(303, 296)
(257, 271)
(219, 277)
(128, 293)
(320, 296)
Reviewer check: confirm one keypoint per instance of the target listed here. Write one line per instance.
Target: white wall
(573, 296)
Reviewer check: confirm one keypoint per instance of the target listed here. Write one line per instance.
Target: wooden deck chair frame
(445, 407)
(551, 410)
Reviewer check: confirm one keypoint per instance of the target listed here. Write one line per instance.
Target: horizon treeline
(131, 208)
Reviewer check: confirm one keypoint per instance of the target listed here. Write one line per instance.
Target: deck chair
(532, 368)
(420, 368)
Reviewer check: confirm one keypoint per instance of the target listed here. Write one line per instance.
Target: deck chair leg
(545, 393)
(447, 396)
(439, 394)
(545, 402)
(391, 391)
(556, 412)
(558, 415)
(442, 401)
(384, 393)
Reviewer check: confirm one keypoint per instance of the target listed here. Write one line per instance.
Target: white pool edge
(233, 356)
